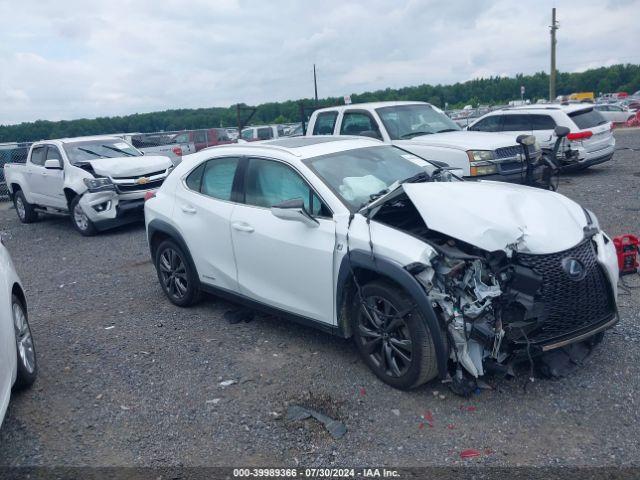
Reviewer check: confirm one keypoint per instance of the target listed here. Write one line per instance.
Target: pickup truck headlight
(480, 155)
(99, 184)
(481, 162)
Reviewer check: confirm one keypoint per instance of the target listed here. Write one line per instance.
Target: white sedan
(18, 366)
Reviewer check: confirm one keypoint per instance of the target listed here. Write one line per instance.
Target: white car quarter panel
(8, 356)
(285, 264)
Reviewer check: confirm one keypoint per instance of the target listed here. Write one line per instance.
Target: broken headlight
(481, 162)
(99, 184)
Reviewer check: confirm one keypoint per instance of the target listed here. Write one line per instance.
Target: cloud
(86, 58)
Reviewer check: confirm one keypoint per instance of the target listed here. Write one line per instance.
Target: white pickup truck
(100, 181)
(426, 131)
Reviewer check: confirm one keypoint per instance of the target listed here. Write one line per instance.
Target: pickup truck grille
(139, 188)
(152, 174)
(510, 152)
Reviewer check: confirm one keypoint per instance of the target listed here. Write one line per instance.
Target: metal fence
(11, 153)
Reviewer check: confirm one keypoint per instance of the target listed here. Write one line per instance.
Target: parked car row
(365, 228)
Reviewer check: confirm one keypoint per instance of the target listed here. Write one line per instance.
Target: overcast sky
(79, 58)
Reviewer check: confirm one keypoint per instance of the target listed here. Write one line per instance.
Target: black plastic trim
(156, 226)
(394, 271)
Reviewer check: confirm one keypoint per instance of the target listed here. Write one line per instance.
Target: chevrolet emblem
(142, 180)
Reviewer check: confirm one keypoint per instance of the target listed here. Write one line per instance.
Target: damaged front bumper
(108, 209)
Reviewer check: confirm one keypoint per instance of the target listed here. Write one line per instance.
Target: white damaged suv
(365, 240)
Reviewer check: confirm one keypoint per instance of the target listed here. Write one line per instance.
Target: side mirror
(561, 131)
(371, 134)
(294, 210)
(53, 164)
(527, 140)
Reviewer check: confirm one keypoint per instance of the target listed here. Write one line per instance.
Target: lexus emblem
(574, 269)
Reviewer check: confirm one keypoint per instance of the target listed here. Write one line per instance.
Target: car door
(34, 170)
(284, 264)
(359, 122)
(203, 211)
(543, 128)
(52, 180)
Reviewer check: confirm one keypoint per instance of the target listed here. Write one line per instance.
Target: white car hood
(464, 140)
(500, 216)
(130, 166)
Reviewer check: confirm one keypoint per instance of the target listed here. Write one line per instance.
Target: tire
(27, 365)
(80, 220)
(177, 278)
(403, 357)
(26, 212)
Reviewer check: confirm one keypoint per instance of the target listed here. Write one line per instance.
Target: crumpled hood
(129, 166)
(495, 215)
(465, 140)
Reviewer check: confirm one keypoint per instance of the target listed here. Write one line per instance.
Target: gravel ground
(126, 378)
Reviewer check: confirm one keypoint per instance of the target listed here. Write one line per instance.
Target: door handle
(242, 227)
(188, 209)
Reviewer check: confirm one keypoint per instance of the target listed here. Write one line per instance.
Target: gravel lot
(144, 392)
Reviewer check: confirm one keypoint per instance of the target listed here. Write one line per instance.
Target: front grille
(511, 152)
(135, 177)
(569, 305)
(137, 188)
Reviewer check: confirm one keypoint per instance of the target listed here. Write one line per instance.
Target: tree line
(483, 91)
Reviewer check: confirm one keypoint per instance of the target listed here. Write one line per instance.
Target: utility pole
(552, 72)
(315, 83)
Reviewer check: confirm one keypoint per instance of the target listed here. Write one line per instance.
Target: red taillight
(580, 135)
(149, 196)
(177, 151)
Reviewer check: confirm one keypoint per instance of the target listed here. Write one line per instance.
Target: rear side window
(214, 178)
(38, 155)
(516, 123)
(542, 122)
(325, 123)
(200, 137)
(194, 180)
(587, 118)
(217, 178)
(489, 124)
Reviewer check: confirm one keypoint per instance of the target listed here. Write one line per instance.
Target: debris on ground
(335, 428)
(560, 362)
(226, 383)
(469, 453)
(239, 315)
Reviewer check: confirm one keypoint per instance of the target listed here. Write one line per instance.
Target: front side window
(182, 138)
(247, 134)
(265, 133)
(268, 183)
(355, 175)
(53, 153)
(38, 155)
(200, 137)
(407, 121)
(325, 123)
(488, 124)
(355, 123)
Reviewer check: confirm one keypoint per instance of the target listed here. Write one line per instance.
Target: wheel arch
(367, 267)
(69, 194)
(19, 292)
(158, 231)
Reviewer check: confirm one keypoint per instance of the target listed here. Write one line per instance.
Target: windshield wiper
(447, 130)
(414, 134)
(115, 149)
(92, 152)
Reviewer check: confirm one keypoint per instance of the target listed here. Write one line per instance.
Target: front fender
(394, 271)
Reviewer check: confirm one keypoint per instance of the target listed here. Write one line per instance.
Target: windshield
(408, 121)
(356, 175)
(79, 152)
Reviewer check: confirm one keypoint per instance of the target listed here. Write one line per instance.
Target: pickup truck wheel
(80, 220)
(393, 338)
(177, 278)
(27, 366)
(26, 212)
